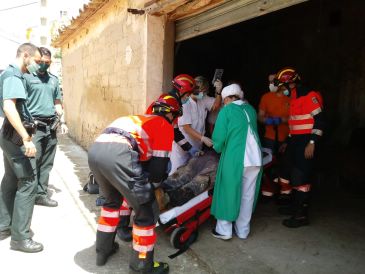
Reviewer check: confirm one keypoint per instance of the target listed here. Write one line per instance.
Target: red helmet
(167, 104)
(184, 83)
(286, 76)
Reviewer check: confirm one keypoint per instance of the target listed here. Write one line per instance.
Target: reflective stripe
(139, 231)
(182, 142)
(276, 180)
(112, 138)
(142, 248)
(125, 212)
(109, 214)
(125, 203)
(303, 188)
(284, 181)
(161, 153)
(300, 117)
(268, 194)
(301, 127)
(316, 111)
(106, 228)
(317, 132)
(285, 191)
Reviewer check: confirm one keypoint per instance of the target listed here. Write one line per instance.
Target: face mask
(43, 67)
(33, 67)
(199, 96)
(286, 92)
(273, 88)
(184, 101)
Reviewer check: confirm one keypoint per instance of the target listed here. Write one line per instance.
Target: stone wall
(112, 66)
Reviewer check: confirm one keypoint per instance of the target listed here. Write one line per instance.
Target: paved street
(332, 244)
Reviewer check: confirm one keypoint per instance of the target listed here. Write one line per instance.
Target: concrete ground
(333, 243)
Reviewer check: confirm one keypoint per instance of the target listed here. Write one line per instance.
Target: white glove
(208, 142)
(218, 85)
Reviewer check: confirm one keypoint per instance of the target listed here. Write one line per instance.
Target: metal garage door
(229, 13)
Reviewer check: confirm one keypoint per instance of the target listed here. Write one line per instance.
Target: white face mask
(273, 88)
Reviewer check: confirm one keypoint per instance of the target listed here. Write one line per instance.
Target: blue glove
(269, 121)
(169, 166)
(276, 121)
(193, 152)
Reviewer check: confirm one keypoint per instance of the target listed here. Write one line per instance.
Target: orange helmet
(286, 76)
(167, 104)
(184, 83)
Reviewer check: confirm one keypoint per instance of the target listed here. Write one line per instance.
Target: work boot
(27, 245)
(105, 246)
(102, 258)
(146, 265)
(300, 207)
(124, 231)
(4, 234)
(283, 199)
(45, 201)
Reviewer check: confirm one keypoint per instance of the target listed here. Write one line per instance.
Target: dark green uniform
(42, 91)
(18, 186)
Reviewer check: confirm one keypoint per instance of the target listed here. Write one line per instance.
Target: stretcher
(183, 221)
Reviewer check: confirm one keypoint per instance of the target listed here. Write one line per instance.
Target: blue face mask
(199, 96)
(286, 92)
(184, 101)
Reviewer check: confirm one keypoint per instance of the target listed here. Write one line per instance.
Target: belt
(126, 134)
(46, 120)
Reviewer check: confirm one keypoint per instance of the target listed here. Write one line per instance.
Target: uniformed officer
(44, 104)
(18, 186)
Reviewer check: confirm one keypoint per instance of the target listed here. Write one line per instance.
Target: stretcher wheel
(175, 237)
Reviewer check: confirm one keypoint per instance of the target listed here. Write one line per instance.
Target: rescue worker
(129, 159)
(273, 113)
(192, 122)
(183, 85)
(239, 171)
(305, 128)
(18, 186)
(44, 103)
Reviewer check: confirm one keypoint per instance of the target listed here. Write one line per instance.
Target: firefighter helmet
(286, 76)
(167, 104)
(184, 83)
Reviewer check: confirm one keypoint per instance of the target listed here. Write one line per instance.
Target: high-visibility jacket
(179, 137)
(302, 112)
(153, 134)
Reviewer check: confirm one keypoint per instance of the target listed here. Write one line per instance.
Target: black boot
(284, 199)
(124, 231)
(105, 246)
(146, 265)
(300, 217)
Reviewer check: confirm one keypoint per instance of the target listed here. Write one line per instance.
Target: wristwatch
(311, 142)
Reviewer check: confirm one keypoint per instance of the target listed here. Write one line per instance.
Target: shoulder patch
(314, 100)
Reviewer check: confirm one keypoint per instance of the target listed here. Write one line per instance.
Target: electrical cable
(20, 6)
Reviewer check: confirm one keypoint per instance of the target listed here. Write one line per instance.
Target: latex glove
(269, 121)
(195, 152)
(218, 85)
(64, 129)
(276, 121)
(207, 141)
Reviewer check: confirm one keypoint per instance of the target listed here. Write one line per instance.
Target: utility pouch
(9, 133)
(56, 123)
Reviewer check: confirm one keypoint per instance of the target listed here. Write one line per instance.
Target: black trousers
(294, 167)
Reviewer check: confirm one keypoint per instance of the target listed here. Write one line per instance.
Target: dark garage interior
(325, 41)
